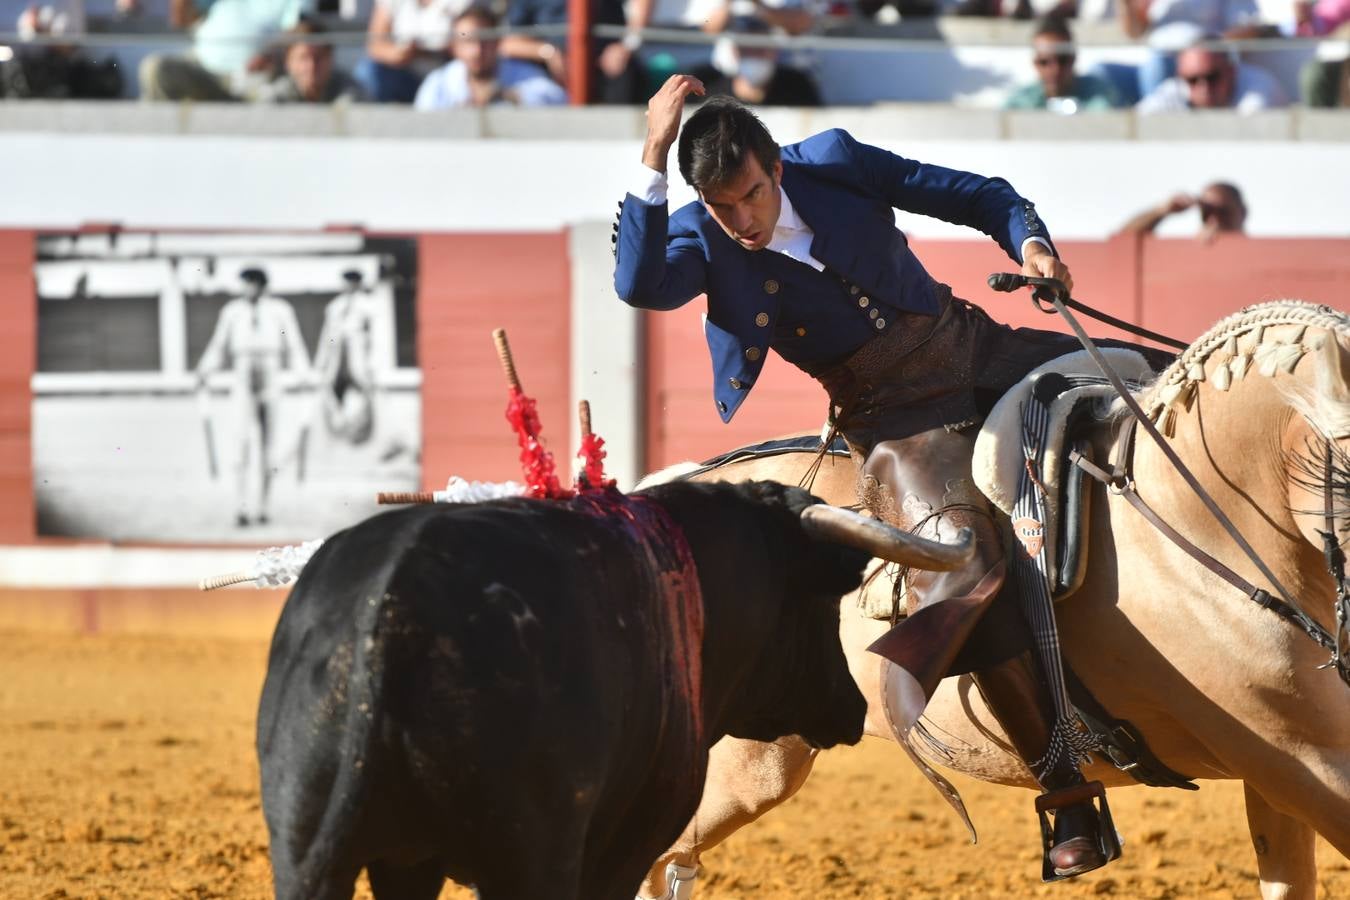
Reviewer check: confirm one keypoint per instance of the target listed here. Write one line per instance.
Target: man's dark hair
(480, 14)
(254, 275)
(1055, 27)
(718, 139)
(1231, 191)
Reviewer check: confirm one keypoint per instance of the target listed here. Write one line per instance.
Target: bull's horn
(844, 526)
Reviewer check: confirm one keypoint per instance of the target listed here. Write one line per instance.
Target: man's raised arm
(654, 269)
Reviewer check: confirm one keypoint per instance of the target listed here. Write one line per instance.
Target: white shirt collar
(788, 220)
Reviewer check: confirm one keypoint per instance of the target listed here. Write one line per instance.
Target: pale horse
(1219, 687)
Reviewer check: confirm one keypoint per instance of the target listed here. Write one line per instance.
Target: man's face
(310, 66)
(252, 289)
(1054, 65)
(1208, 77)
(1221, 211)
(748, 205)
(479, 55)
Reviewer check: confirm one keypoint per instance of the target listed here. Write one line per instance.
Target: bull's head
(816, 554)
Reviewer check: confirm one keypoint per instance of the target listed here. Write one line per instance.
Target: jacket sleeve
(655, 267)
(989, 205)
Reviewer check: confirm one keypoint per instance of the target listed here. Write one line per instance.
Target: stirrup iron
(1108, 841)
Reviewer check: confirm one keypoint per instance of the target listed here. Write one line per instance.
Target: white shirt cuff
(649, 185)
(1037, 240)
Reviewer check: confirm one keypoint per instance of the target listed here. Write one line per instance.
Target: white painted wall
(1084, 189)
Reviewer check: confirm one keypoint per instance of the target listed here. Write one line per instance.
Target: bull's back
(453, 674)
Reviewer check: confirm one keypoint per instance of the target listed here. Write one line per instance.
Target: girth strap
(1121, 742)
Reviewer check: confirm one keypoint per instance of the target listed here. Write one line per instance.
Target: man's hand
(1039, 262)
(1179, 203)
(614, 59)
(663, 118)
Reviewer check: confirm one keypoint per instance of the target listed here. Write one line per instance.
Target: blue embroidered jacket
(847, 193)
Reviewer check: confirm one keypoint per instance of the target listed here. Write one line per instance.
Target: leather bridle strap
(1335, 559)
(1293, 611)
(1125, 487)
(1130, 327)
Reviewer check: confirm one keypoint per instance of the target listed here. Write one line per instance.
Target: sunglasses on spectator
(1211, 78)
(1044, 62)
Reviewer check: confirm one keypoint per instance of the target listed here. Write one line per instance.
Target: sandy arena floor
(128, 772)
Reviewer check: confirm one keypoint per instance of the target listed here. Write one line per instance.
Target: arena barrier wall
(651, 373)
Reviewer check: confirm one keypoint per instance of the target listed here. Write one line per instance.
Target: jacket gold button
(752, 354)
(881, 323)
(853, 289)
(762, 319)
(771, 286)
(863, 302)
(721, 407)
(735, 384)
(801, 332)
(874, 313)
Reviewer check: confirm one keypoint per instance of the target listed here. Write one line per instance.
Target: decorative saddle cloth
(1022, 448)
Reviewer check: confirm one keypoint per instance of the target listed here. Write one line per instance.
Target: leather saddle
(1077, 399)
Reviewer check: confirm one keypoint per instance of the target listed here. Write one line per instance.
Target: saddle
(1025, 442)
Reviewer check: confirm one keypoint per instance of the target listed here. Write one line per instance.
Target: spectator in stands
(477, 76)
(309, 76)
(790, 16)
(229, 58)
(1211, 79)
(58, 69)
(660, 61)
(406, 41)
(753, 73)
(1058, 87)
(1325, 80)
(1318, 18)
(615, 74)
(1225, 17)
(1222, 211)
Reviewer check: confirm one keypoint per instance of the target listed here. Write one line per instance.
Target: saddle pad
(1004, 448)
(999, 460)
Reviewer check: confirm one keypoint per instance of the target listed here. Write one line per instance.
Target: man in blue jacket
(797, 251)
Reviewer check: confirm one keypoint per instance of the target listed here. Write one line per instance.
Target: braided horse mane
(1268, 338)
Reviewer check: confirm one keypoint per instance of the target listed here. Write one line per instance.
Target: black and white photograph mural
(236, 387)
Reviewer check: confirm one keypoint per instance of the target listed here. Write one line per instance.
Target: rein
(1335, 557)
(1050, 291)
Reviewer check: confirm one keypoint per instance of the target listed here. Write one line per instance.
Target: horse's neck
(1237, 444)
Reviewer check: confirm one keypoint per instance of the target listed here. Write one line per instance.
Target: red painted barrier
(1177, 287)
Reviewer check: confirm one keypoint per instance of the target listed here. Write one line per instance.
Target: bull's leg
(323, 881)
(1284, 847)
(418, 882)
(745, 780)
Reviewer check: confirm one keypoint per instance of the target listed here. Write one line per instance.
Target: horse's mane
(1237, 344)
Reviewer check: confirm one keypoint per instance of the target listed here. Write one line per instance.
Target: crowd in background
(439, 54)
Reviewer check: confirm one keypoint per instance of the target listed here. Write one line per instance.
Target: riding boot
(1019, 698)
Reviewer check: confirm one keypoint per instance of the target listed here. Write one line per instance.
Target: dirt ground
(127, 771)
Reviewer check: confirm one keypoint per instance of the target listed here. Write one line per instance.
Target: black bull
(497, 692)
